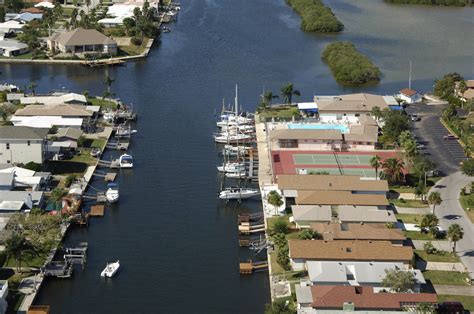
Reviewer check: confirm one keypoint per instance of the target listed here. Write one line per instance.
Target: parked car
(432, 173)
(420, 146)
(414, 117)
(450, 137)
(451, 308)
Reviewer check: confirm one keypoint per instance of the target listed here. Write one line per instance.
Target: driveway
(447, 154)
(449, 187)
(455, 290)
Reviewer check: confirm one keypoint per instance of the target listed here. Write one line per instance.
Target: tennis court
(330, 159)
(364, 172)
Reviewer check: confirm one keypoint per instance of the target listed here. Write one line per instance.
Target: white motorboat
(96, 152)
(231, 167)
(230, 150)
(109, 116)
(110, 269)
(124, 131)
(238, 193)
(225, 138)
(245, 128)
(236, 175)
(126, 161)
(112, 193)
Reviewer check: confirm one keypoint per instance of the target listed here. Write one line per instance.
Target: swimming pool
(314, 126)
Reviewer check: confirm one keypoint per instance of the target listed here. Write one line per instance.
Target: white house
(409, 96)
(55, 99)
(12, 47)
(19, 144)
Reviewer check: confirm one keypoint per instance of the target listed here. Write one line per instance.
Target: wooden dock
(249, 228)
(250, 217)
(108, 177)
(249, 267)
(97, 211)
(103, 62)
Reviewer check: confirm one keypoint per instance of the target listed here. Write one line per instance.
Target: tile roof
(81, 36)
(363, 133)
(357, 231)
(22, 132)
(364, 297)
(369, 214)
(311, 213)
(330, 183)
(329, 197)
(69, 133)
(360, 102)
(63, 110)
(349, 251)
(408, 92)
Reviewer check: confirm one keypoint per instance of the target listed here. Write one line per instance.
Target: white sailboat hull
(110, 269)
(238, 194)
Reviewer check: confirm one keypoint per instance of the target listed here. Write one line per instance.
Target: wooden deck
(97, 211)
(247, 268)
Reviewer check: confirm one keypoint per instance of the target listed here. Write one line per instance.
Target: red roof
(32, 10)
(408, 92)
(363, 297)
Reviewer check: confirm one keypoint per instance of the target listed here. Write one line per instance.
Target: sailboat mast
(409, 77)
(236, 100)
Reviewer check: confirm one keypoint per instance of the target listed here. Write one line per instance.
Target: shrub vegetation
(456, 3)
(315, 16)
(348, 65)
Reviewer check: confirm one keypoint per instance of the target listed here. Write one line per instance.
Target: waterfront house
(12, 201)
(68, 135)
(410, 96)
(47, 122)
(350, 273)
(334, 198)
(12, 48)
(305, 215)
(301, 251)
(24, 17)
(336, 299)
(365, 214)
(55, 99)
(80, 41)
(468, 94)
(12, 27)
(358, 231)
(20, 144)
(64, 110)
(22, 179)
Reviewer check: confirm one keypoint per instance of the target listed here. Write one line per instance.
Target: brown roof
(363, 133)
(469, 94)
(329, 183)
(470, 83)
(349, 251)
(32, 10)
(81, 36)
(408, 92)
(364, 297)
(339, 198)
(64, 110)
(355, 231)
(361, 102)
(301, 134)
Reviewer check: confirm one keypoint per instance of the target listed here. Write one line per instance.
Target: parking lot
(447, 154)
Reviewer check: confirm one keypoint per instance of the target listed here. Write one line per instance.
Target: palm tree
(392, 169)
(16, 245)
(73, 21)
(268, 96)
(375, 162)
(377, 113)
(287, 93)
(430, 222)
(455, 233)
(32, 87)
(434, 199)
(108, 81)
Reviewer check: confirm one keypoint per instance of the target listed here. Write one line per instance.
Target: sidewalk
(422, 265)
(441, 245)
(407, 210)
(29, 286)
(455, 290)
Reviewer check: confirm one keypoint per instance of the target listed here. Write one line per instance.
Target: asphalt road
(447, 154)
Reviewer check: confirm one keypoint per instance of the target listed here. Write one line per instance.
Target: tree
(404, 137)
(57, 194)
(399, 280)
(455, 233)
(376, 113)
(279, 306)
(375, 162)
(429, 222)
(445, 87)
(128, 24)
(420, 190)
(16, 246)
(279, 239)
(462, 87)
(468, 167)
(309, 234)
(425, 308)
(2, 14)
(73, 20)
(268, 96)
(394, 124)
(449, 112)
(69, 180)
(429, 248)
(434, 199)
(280, 226)
(33, 166)
(287, 93)
(393, 170)
(275, 199)
(32, 87)
(283, 258)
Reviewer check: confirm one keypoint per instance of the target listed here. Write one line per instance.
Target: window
(288, 143)
(29, 143)
(8, 161)
(8, 145)
(339, 117)
(276, 158)
(357, 114)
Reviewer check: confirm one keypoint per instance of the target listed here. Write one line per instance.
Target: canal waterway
(177, 243)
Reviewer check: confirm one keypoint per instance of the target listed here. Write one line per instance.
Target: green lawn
(271, 221)
(441, 256)
(438, 277)
(34, 261)
(132, 50)
(409, 203)
(276, 268)
(85, 157)
(103, 103)
(99, 143)
(410, 218)
(416, 235)
(467, 202)
(284, 112)
(467, 301)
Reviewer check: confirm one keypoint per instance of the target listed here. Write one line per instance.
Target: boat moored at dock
(126, 161)
(112, 193)
(235, 193)
(231, 167)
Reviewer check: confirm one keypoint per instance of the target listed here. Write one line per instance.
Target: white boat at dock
(236, 175)
(124, 131)
(110, 269)
(230, 150)
(235, 193)
(231, 167)
(225, 138)
(126, 161)
(112, 193)
(245, 128)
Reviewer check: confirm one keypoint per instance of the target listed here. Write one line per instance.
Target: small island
(452, 3)
(315, 16)
(348, 65)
